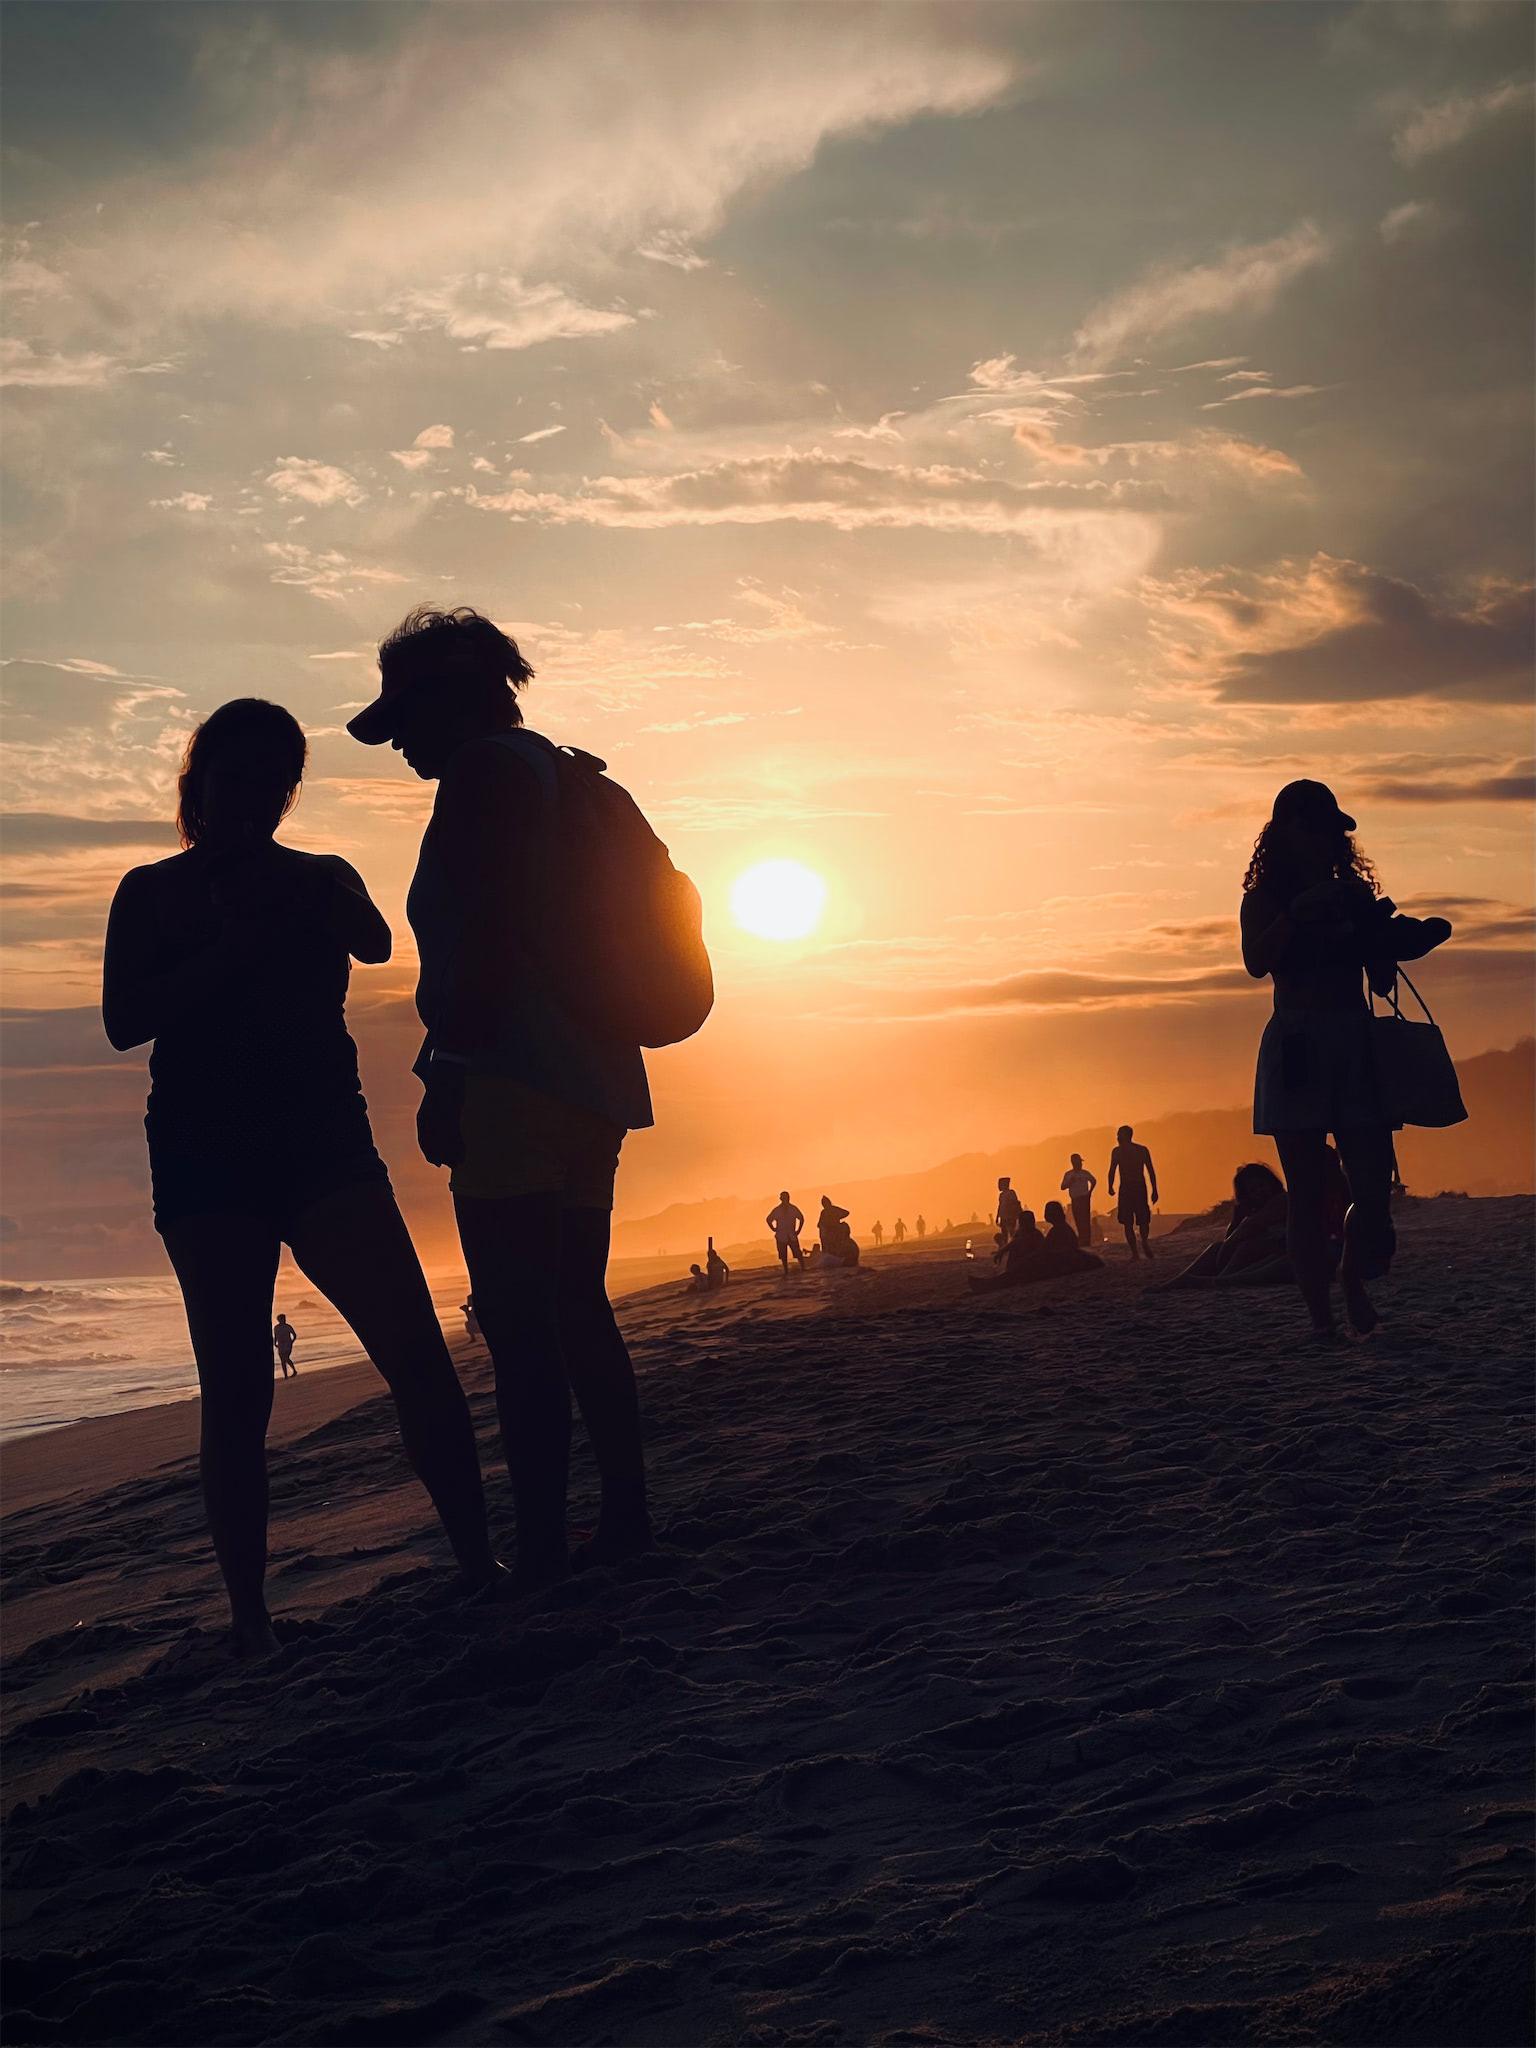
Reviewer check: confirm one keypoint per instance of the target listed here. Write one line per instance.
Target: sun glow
(778, 899)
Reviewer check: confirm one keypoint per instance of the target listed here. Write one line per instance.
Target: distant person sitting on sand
(1133, 1163)
(836, 1238)
(1024, 1243)
(1009, 1208)
(716, 1271)
(922, 1228)
(898, 1232)
(877, 1232)
(1313, 919)
(283, 1334)
(698, 1283)
(786, 1222)
(1252, 1251)
(259, 1137)
(1031, 1256)
(1078, 1184)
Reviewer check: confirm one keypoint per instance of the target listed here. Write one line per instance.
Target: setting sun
(778, 899)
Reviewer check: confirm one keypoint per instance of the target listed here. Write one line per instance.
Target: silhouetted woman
(1252, 1248)
(1313, 919)
(259, 1135)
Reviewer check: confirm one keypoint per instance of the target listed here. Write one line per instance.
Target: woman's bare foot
(1358, 1306)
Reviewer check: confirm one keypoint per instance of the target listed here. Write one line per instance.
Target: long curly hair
(1267, 868)
(242, 719)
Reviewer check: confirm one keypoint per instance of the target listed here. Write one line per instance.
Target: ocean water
(70, 1349)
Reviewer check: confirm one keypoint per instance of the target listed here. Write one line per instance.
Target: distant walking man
(786, 1222)
(1010, 1209)
(922, 1228)
(1134, 1165)
(877, 1232)
(283, 1334)
(899, 1234)
(1077, 1185)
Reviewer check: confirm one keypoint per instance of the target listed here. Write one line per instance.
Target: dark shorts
(1135, 1207)
(274, 1165)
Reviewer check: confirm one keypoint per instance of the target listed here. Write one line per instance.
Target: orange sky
(976, 451)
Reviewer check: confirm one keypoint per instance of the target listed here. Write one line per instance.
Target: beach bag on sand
(624, 933)
(1416, 1073)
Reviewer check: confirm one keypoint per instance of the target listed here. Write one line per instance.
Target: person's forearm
(150, 1003)
(355, 922)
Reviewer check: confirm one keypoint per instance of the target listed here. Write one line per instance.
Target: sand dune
(1067, 1667)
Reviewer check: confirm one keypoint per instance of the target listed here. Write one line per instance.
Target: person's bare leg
(1200, 1272)
(1130, 1240)
(512, 1248)
(602, 1378)
(354, 1246)
(227, 1268)
(1369, 1236)
(1304, 1162)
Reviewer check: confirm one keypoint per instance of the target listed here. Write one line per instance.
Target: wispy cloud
(314, 483)
(1245, 279)
(1444, 123)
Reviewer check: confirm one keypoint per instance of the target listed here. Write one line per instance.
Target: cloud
(314, 483)
(324, 572)
(1516, 784)
(668, 246)
(30, 364)
(842, 491)
(1416, 220)
(499, 311)
(1444, 123)
(1335, 632)
(1070, 988)
(184, 501)
(428, 443)
(24, 832)
(1266, 391)
(540, 434)
(1247, 278)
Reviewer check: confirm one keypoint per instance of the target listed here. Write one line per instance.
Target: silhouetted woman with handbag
(1313, 919)
(233, 956)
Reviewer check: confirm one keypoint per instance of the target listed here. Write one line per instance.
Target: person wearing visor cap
(1315, 922)
(524, 1104)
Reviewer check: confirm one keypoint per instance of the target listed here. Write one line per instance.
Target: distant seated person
(1031, 1256)
(1252, 1253)
(697, 1283)
(716, 1271)
(836, 1239)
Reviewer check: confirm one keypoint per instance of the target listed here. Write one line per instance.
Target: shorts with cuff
(520, 1141)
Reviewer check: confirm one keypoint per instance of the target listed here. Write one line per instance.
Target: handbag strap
(1391, 997)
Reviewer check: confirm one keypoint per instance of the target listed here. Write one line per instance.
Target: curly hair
(470, 646)
(1267, 867)
(235, 724)
(1255, 1168)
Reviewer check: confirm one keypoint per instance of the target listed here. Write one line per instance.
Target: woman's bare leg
(227, 1268)
(1369, 1237)
(1304, 1163)
(355, 1247)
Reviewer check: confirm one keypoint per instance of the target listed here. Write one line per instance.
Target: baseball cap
(1307, 799)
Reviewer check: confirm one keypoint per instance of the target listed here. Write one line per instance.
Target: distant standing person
(877, 1232)
(1078, 1184)
(922, 1228)
(786, 1222)
(716, 1271)
(283, 1334)
(1010, 1209)
(1313, 920)
(1133, 1163)
(472, 1321)
(899, 1232)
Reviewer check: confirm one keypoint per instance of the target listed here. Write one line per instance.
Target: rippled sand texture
(1065, 1667)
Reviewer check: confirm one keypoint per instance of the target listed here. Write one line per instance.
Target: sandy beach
(1072, 1666)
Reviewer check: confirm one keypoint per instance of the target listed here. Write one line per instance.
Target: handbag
(1416, 1073)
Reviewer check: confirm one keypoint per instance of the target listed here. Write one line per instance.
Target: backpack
(623, 928)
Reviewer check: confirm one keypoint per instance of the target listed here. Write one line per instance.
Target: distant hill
(1493, 1153)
